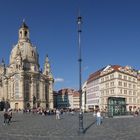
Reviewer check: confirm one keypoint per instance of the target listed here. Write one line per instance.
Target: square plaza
(38, 127)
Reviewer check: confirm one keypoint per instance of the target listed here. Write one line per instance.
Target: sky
(110, 34)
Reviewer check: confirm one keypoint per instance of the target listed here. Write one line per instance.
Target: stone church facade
(22, 84)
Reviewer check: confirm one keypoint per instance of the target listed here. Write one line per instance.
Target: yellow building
(22, 84)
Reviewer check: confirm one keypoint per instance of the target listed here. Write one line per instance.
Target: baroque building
(22, 83)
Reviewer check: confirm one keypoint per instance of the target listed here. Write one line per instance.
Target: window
(134, 100)
(134, 86)
(112, 91)
(32, 53)
(102, 100)
(20, 33)
(107, 85)
(125, 84)
(130, 100)
(102, 79)
(133, 79)
(134, 93)
(120, 76)
(125, 91)
(130, 92)
(120, 83)
(111, 76)
(107, 92)
(25, 33)
(130, 85)
(112, 84)
(129, 78)
(27, 90)
(106, 78)
(102, 93)
(125, 77)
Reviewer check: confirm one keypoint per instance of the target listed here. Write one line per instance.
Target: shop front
(116, 106)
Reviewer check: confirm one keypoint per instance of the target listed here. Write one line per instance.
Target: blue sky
(110, 34)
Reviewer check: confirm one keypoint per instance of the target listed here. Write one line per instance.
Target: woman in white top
(98, 117)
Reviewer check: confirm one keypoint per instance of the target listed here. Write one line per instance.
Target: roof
(76, 94)
(111, 68)
(24, 25)
(96, 74)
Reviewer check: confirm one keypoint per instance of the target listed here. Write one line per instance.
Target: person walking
(57, 114)
(98, 117)
(6, 117)
(9, 115)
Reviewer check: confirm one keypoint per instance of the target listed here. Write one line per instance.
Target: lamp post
(79, 22)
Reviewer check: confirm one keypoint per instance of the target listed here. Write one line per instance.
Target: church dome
(24, 49)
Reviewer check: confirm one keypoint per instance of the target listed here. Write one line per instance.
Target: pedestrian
(9, 115)
(6, 117)
(57, 114)
(98, 117)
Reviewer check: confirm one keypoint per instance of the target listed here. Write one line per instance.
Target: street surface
(38, 127)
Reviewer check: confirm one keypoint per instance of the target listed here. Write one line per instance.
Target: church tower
(47, 67)
(49, 86)
(24, 33)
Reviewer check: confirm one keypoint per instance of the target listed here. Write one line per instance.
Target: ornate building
(22, 84)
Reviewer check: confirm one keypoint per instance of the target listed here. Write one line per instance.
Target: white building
(93, 91)
(114, 87)
(84, 105)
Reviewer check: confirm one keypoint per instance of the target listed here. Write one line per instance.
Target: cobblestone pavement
(37, 127)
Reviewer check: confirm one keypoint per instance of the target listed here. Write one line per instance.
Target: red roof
(96, 74)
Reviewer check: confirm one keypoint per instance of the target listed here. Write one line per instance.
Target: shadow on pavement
(89, 126)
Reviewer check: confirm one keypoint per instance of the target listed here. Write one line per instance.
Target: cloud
(59, 80)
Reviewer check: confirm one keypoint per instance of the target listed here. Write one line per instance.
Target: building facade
(84, 96)
(68, 98)
(118, 89)
(22, 83)
(76, 100)
(93, 91)
(63, 98)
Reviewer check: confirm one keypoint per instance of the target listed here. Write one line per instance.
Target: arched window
(25, 33)
(32, 53)
(20, 33)
(27, 89)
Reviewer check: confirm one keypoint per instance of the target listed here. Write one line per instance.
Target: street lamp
(79, 22)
